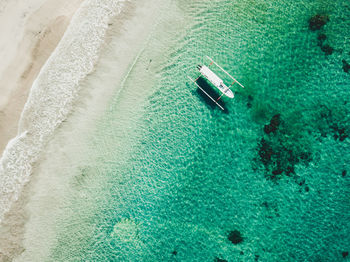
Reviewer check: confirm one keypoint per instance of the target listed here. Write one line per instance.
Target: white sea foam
(53, 94)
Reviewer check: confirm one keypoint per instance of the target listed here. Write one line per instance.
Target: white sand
(25, 234)
(29, 230)
(30, 31)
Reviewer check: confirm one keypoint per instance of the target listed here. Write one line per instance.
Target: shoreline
(53, 93)
(16, 227)
(36, 33)
(21, 153)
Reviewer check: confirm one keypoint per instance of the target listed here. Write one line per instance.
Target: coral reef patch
(235, 237)
(317, 22)
(281, 148)
(346, 66)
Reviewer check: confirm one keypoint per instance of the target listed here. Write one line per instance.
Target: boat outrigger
(216, 81)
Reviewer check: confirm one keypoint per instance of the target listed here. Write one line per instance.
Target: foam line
(53, 94)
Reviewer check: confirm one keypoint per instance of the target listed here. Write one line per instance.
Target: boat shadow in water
(203, 83)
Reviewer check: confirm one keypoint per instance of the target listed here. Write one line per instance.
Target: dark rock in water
(277, 172)
(307, 189)
(235, 237)
(290, 170)
(268, 129)
(317, 22)
(345, 254)
(279, 151)
(342, 134)
(174, 252)
(339, 133)
(321, 38)
(275, 120)
(242, 253)
(250, 100)
(327, 49)
(343, 174)
(342, 137)
(265, 151)
(278, 158)
(220, 260)
(302, 182)
(274, 123)
(256, 257)
(305, 156)
(346, 66)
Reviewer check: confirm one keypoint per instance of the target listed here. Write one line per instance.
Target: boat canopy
(216, 81)
(211, 76)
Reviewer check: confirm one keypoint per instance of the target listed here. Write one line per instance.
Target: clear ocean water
(166, 176)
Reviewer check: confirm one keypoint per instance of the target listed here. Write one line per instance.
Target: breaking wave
(53, 94)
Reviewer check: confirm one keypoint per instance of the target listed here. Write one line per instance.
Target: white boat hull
(215, 80)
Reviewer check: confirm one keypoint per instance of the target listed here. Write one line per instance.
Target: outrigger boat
(216, 81)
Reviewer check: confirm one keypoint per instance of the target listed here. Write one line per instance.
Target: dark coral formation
(235, 237)
(346, 66)
(280, 150)
(274, 123)
(334, 122)
(265, 204)
(345, 254)
(327, 49)
(343, 174)
(174, 252)
(317, 22)
(339, 133)
(301, 182)
(250, 100)
(321, 38)
(265, 151)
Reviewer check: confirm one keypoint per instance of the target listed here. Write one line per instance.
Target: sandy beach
(50, 81)
(30, 32)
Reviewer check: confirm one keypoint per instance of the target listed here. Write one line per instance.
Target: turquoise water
(170, 176)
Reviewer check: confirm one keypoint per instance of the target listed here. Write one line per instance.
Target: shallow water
(166, 176)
